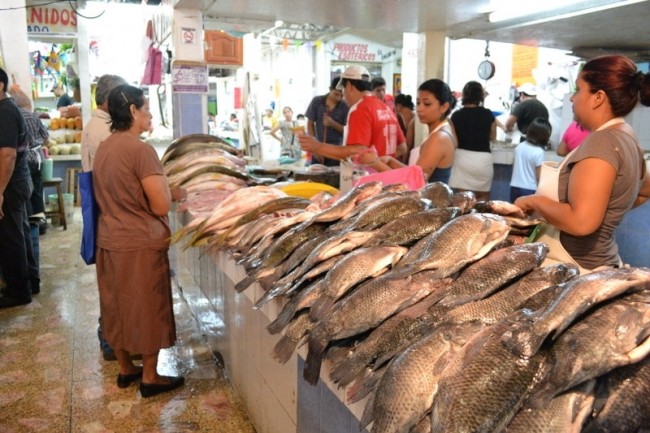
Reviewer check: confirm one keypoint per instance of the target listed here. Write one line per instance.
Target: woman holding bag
(604, 177)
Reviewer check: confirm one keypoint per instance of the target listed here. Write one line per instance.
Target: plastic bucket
(68, 205)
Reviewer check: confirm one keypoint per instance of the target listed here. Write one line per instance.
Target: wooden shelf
(74, 157)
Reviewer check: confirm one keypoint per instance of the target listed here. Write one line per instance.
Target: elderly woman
(133, 271)
(604, 177)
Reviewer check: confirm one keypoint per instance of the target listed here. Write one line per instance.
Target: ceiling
(623, 29)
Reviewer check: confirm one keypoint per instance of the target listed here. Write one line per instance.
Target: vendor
(372, 130)
(604, 177)
(64, 99)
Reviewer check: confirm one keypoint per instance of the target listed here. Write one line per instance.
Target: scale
(486, 68)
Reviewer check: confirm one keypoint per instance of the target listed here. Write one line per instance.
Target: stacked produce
(433, 307)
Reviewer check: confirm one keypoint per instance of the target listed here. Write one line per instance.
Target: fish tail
(265, 299)
(368, 413)
(267, 282)
(284, 349)
(283, 319)
(347, 370)
(243, 284)
(364, 385)
(317, 344)
(178, 235)
(320, 308)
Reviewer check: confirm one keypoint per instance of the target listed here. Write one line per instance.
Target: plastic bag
(89, 215)
(412, 175)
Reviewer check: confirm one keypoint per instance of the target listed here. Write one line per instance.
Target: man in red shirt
(372, 129)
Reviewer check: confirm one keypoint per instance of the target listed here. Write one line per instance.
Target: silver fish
(412, 227)
(438, 193)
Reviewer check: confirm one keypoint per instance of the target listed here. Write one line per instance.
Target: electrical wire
(84, 16)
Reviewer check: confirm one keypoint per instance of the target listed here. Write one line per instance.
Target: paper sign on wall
(189, 77)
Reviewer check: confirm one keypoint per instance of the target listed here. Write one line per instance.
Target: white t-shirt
(527, 158)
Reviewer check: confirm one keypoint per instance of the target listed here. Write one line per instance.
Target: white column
(13, 42)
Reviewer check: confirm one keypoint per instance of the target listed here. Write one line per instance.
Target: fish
(465, 200)
(184, 176)
(299, 301)
(365, 308)
(584, 292)
(382, 212)
(500, 207)
(406, 390)
(412, 227)
(462, 240)
(355, 267)
(191, 142)
(622, 403)
(484, 385)
(347, 202)
(439, 193)
(566, 413)
(579, 355)
(296, 331)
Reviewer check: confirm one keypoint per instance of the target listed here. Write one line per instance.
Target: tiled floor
(53, 378)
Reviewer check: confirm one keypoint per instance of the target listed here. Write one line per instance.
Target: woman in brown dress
(133, 272)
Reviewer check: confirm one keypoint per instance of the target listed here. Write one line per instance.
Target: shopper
(15, 189)
(527, 109)
(378, 87)
(97, 130)
(133, 234)
(326, 119)
(436, 153)
(573, 136)
(289, 146)
(606, 176)
(529, 156)
(64, 100)
(475, 128)
(371, 131)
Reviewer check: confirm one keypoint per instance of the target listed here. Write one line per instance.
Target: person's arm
(493, 130)
(588, 198)
(311, 128)
(331, 123)
(432, 152)
(562, 149)
(159, 197)
(510, 123)
(273, 131)
(7, 164)
(310, 144)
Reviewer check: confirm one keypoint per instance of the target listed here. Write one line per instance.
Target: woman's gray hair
(105, 84)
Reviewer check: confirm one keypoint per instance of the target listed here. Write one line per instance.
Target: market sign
(52, 19)
(354, 52)
(189, 77)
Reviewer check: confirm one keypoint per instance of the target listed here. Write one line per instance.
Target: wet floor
(53, 377)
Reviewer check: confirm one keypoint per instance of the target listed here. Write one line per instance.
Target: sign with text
(189, 77)
(524, 61)
(52, 19)
(354, 52)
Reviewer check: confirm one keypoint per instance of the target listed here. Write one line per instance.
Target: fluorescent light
(528, 10)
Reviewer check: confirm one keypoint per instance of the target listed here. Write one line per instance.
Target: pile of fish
(431, 306)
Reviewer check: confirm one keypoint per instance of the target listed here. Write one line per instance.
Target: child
(529, 156)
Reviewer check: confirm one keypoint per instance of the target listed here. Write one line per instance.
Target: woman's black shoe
(124, 380)
(151, 389)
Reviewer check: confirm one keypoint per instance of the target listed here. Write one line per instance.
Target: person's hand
(178, 193)
(526, 203)
(328, 121)
(308, 143)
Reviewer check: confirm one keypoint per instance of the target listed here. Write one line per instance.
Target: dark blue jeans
(516, 192)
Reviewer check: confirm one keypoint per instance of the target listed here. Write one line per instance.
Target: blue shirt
(316, 111)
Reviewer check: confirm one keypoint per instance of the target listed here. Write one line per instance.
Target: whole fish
(622, 404)
(579, 354)
(355, 267)
(465, 200)
(461, 241)
(197, 169)
(406, 390)
(299, 301)
(438, 193)
(584, 292)
(296, 331)
(566, 413)
(380, 213)
(347, 202)
(412, 227)
(191, 142)
(500, 207)
(369, 305)
(484, 385)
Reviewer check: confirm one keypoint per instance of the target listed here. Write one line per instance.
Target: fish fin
(178, 235)
(368, 415)
(317, 344)
(283, 318)
(364, 385)
(321, 307)
(344, 372)
(284, 349)
(267, 282)
(243, 284)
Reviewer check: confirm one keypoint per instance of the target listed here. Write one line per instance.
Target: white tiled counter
(276, 397)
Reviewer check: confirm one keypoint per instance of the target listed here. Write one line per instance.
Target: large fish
(406, 390)
(369, 305)
(584, 292)
(484, 385)
(347, 202)
(461, 241)
(380, 213)
(566, 413)
(355, 267)
(622, 400)
(438, 193)
(412, 227)
(579, 354)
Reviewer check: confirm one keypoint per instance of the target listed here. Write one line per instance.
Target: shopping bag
(412, 176)
(89, 214)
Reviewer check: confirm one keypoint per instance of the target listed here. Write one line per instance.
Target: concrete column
(13, 43)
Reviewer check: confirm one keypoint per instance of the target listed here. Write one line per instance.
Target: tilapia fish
(383, 212)
(579, 354)
(566, 413)
(406, 390)
(296, 331)
(465, 200)
(347, 202)
(412, 227)
(353, 268)
(622, 403)
(438, 193)
(484, 385)
(500, 207)
(583, 293)
(369, 305)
